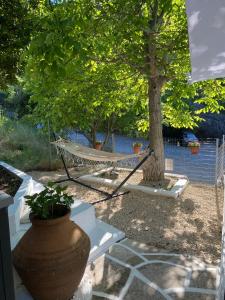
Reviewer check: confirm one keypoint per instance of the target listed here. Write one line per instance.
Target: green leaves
(14, 36)
(91, 60)
(45, 204)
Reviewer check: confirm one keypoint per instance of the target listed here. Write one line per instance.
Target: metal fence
(207, 166)
(219, 172)
(201, 167)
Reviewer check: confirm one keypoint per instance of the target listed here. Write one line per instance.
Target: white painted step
(102, 237)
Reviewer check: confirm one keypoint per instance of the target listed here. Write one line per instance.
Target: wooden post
(6, 274)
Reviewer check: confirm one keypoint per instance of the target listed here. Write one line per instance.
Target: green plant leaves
(44, 204)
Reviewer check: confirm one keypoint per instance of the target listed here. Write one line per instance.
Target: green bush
(26, 147)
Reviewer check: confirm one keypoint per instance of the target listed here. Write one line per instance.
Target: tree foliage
(17, 101)
(14, 36)
(89, 51)
(73, 89)
(92, 60)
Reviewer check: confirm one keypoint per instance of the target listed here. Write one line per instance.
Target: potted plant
(194, 146)
(52, 255)
(137, 147)
(98, 145)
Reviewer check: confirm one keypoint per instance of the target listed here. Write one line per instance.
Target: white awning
(206, 27)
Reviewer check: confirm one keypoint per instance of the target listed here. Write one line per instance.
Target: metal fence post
(217, 157)
(223, 148)
(6, 274)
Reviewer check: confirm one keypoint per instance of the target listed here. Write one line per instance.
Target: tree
(18, 19)
(14, 36)
(70, 88)
(97, 56)
(150, 37)
(17, 101)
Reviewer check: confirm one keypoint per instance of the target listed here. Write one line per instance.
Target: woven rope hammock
(85, 155)
(66, 148)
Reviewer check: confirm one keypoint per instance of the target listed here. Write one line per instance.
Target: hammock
(91, 154)
(67, 148)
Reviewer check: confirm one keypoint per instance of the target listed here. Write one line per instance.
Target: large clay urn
(51, 258)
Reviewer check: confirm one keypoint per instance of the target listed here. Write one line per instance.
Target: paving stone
(164, 275)
(108, 276)
(192, 296)
(141, 291)
(205, 279)
(125, 255)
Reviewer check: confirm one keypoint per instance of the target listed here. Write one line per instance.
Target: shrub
(26, 147)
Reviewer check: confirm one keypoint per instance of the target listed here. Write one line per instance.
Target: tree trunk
(93, 136)
(110, 124)
(155, 166)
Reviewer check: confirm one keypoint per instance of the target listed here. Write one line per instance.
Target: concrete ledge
(102, 235)
(176, 191)
(24, 189)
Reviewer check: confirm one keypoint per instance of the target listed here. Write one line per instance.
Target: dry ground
(188, 225)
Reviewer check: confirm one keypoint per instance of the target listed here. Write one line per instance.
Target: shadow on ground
(190, 224)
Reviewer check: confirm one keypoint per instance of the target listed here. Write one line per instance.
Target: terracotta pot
(51, 258)
(194, 149)
(137, 149)
(98, 146)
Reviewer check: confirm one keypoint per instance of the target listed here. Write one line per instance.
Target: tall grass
(26, 147)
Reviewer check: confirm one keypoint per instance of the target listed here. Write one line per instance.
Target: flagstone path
(133, 271)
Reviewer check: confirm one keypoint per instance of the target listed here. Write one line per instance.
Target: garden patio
(132, 270)
(90, 90)
(171, 249)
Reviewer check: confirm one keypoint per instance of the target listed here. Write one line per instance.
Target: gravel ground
(188, 225)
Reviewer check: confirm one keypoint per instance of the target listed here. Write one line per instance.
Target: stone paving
(131, 271)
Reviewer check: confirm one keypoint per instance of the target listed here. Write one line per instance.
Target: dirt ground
(9, 183)
(190, 224)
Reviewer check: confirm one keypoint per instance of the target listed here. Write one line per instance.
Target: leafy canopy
(91, 59)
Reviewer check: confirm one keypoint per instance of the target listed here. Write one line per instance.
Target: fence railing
(207, 166)
(219, 172)
(201, 167)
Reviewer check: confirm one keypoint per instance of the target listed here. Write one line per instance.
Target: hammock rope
(69, 150)
(82, 155)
